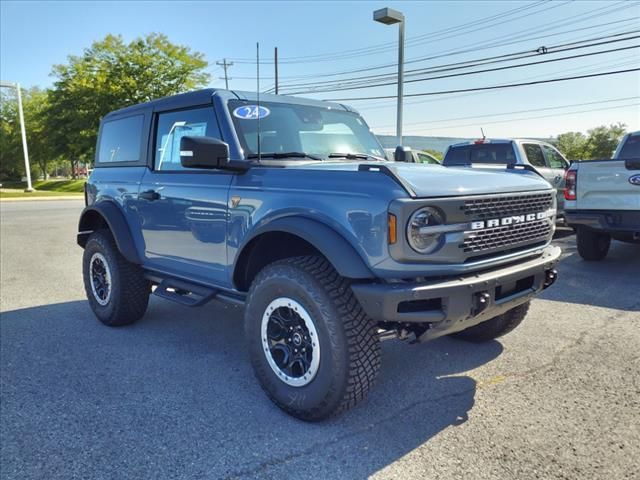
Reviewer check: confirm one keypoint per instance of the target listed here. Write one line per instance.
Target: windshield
(314, 131)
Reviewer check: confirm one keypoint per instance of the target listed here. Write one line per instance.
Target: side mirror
(403, 154)
(203, 152)
(632, 163)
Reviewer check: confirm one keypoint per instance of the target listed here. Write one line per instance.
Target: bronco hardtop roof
(201, 97)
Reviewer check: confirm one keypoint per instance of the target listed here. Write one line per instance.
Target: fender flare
(338, 251)
(114, 218)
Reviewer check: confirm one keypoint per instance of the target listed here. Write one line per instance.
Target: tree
(110, 75)
(34, 106)
(602, 141)
(573, 145)
(434, 153)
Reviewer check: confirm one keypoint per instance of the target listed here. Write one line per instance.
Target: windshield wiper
(354, 156)
(278, 155)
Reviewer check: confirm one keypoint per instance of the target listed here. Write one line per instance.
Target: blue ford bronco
(288, 208)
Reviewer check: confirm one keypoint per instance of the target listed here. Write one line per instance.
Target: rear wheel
(116, 289)
(592, 245)
(313, 349)
(496, 326)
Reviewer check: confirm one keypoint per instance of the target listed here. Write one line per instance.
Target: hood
(438, 181)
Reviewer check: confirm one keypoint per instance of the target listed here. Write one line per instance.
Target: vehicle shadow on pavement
(174, 396)
(610, 283)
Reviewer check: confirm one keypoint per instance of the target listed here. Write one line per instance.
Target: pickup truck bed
(602, 200)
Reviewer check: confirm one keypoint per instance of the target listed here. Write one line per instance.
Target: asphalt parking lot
(174, 396)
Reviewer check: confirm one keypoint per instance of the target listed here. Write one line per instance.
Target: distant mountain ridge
(439, 144)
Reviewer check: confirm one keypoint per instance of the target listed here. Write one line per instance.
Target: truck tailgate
(605, 185)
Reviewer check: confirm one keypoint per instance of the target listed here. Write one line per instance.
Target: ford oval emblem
(635, 180)
(251, 112)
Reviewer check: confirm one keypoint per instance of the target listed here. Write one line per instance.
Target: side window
(121, 140)
(554, 158)
(172, 126)
(534, 154)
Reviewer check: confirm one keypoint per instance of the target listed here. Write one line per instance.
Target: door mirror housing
(403, 154)
(203, 152)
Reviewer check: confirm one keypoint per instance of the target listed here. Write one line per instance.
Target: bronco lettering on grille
(513, 219)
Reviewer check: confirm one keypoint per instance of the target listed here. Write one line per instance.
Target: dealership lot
(174, 395)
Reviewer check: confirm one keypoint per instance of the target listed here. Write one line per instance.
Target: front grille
(505, 237)
(504, 206)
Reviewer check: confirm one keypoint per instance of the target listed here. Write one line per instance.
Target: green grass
(44, 188)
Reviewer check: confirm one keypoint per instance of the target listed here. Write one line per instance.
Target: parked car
(414, 156)
(602, 199)
(322, 241)
(543, 157)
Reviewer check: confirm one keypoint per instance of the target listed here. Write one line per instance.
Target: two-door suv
(287, 207)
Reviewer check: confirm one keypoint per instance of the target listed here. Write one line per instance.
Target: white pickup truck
(602, 199)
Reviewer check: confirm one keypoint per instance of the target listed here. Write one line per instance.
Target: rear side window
(121, 140)
(631, 148)
(172, 126)
(534, 154)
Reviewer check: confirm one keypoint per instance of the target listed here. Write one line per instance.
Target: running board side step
(190, 294)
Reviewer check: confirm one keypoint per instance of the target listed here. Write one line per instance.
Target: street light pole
(389, 16)
(400, 80)
(23, 131)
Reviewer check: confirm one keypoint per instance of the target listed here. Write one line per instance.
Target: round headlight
(418, 234)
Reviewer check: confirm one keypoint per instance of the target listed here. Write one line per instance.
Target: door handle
(150, 195)
(558, 178)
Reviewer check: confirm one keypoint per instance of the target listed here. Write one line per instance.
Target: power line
(457, 52)
(355, 82)
(374, 49)
(492, 87)
(474, 72)
(576, 70)
(598, 12)
(562, 114)
(611, 100)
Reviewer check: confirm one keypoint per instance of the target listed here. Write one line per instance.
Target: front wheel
(494, 327)
(116, 289)
(314, 351)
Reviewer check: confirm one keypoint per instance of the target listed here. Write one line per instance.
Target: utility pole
(23, 131)
(276, 65)
(224, 64)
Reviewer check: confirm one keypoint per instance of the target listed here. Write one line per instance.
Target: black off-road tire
(494, 327)
(129, 295)
(592, 246)
(349, 357)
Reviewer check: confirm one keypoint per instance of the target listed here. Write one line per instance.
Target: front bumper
(454, 304)
(614, 221)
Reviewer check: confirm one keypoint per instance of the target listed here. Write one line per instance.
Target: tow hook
(480, 302)
(550, 277)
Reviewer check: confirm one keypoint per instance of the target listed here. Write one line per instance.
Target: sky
(316, 39)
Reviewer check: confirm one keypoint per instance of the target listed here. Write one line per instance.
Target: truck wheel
(494, 327)
(313, 349)
(592, 245)
(116, 289)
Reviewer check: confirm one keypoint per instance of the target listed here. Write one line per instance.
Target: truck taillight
(571, 181)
